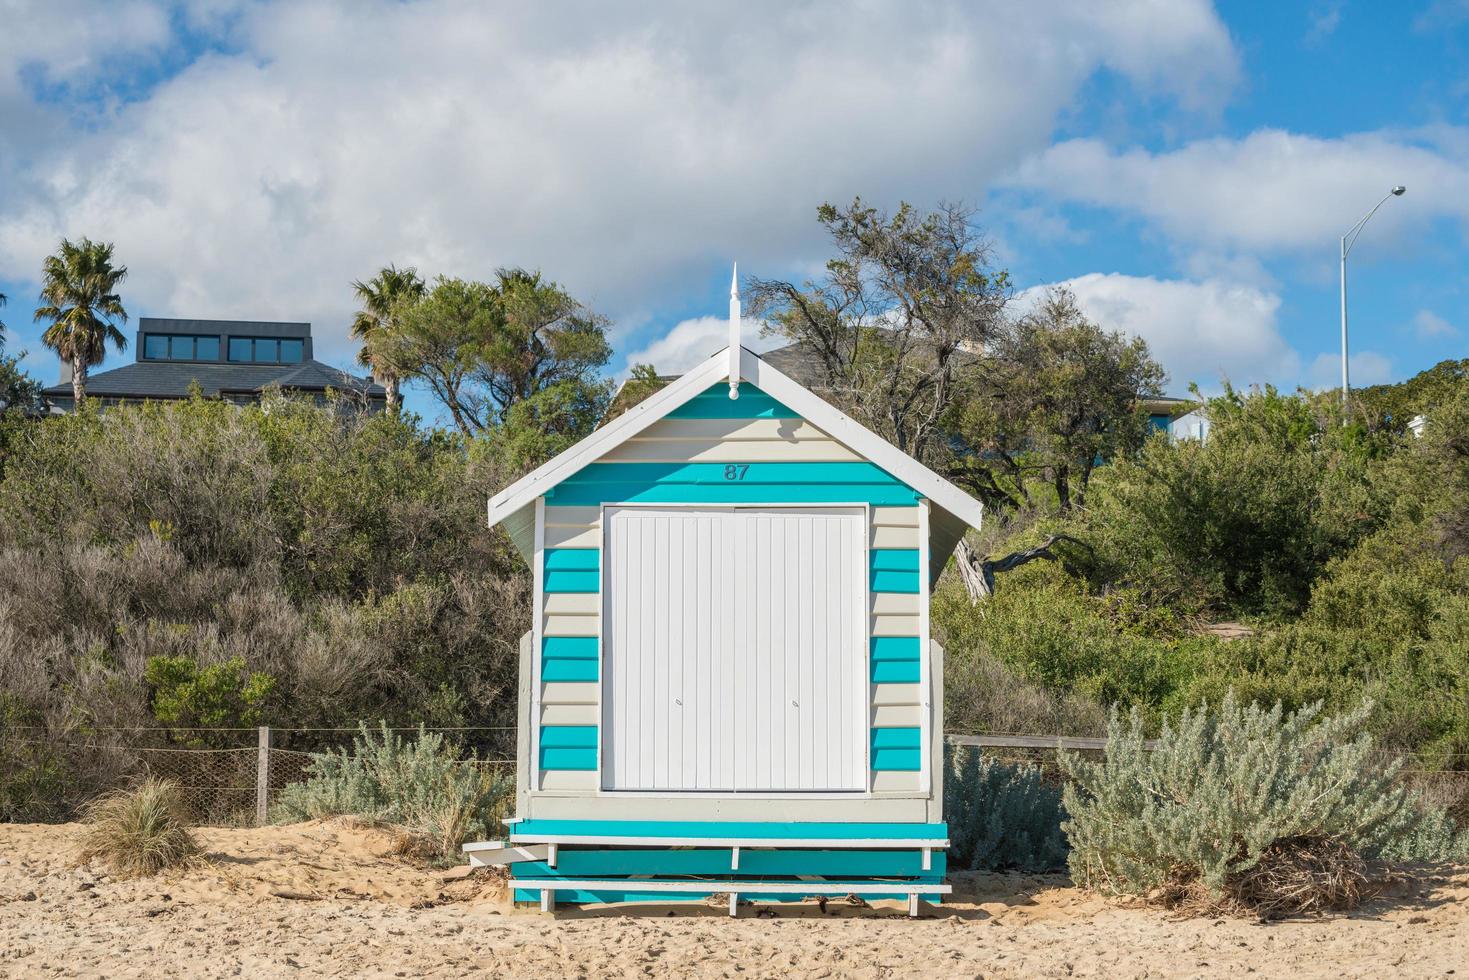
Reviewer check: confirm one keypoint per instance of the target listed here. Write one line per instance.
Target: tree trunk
(390, 385)
(978, 574)
(78, 385)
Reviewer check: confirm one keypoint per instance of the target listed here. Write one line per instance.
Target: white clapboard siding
(893, 536)
(734, 650)
(573, 516)
(896, 604)
(887, 624)
(569, 779)
(883, 694)
(572, 626)
(573, 536)
(897, 782)
(576, 604)
(569, 692)
(581, 713)
(895, 516)
(897, 715)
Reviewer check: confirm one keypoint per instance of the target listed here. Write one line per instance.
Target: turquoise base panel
(527, 830)
(669, 898)
(576, 863)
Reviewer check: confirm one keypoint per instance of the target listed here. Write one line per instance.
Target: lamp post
(1347, 241)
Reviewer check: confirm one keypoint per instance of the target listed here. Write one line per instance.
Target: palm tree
(2, 323)
(380, 297)
(79, 297)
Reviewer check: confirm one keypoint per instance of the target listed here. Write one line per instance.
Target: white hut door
(734, 649)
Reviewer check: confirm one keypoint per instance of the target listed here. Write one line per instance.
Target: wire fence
(234, 776)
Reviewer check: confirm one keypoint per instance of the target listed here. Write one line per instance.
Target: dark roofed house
(236, 360)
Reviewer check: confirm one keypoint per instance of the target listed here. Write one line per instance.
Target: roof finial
(734, 333)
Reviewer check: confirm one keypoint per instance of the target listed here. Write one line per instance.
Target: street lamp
(1347, 241)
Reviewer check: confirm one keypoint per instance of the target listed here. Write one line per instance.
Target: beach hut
(729, 688)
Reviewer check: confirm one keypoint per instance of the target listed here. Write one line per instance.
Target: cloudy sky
(1187, 168)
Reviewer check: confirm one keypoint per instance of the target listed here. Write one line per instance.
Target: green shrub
(1226, 785)
(1000, 814)
(223, 694)
(138, 831)
(420, 785)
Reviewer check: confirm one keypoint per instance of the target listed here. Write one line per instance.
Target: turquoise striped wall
(571, 570)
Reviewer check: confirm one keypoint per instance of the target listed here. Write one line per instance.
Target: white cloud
(1271, 190)
(692, 341)
(1200, 332)
(1430, 326)
(1368, 368)
(623, 150)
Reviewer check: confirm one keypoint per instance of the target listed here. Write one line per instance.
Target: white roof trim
(809, 406)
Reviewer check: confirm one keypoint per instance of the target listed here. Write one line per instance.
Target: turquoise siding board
(897, 760)
(569, 670)
(752, 483)
(572, 582)
(568, 736)
(569, 747)
(569, 648)
(578, 759)
(897, 738)
(569, 658)
(529, 831)
(576, 863)
(573, 559)
(715, 403)
(589, 495)
(883, 581)
(900, 672)
(895, 560)
(896, 648)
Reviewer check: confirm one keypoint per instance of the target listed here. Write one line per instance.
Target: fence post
(262, 777)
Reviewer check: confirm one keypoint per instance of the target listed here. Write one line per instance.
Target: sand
(330, 899)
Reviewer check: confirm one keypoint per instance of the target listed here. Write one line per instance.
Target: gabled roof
(954, 510)
(172, 379)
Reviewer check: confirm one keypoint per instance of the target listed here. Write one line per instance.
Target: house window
(179, 347)
(266, 350)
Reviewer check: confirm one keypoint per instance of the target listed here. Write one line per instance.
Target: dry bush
(1294, 876)
(138, 831)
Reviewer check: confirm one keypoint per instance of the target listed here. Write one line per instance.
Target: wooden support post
(928, 859)
(734, 904)
(551, 854)
(734, 858)
(262, 778)
(913, 905)
(548, 899)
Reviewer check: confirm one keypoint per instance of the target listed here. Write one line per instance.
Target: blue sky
(1186, 168)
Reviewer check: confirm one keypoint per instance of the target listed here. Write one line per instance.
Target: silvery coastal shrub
(1225, 783)
(1001, 814)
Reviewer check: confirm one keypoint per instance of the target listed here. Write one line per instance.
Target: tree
(391, 289)
(18, 390)
(909, 302)
(484, 350)
(1059, 396)
(79, 297)
(2, 323)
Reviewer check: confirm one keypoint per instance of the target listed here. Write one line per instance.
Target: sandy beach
(330, 899)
